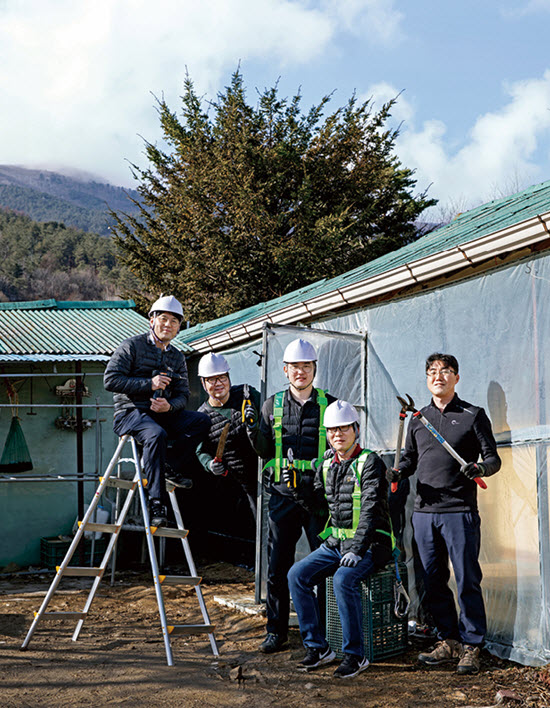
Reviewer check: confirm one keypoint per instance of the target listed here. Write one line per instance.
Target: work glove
(217, 468)
(288, 476)
(350, 560)
(473, 469)
(250, 416)
(393, 475)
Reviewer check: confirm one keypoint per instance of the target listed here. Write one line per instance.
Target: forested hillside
(50, 260)
(49, 196)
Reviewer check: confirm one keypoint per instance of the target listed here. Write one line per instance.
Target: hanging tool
(402, 416)
(292, 470)
(417, 414)
(246, 402)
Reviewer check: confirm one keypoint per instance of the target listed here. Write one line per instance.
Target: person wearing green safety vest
(358, 540)
(289, 435)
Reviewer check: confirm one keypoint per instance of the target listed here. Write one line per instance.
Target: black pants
(152, 430)
(286, 520)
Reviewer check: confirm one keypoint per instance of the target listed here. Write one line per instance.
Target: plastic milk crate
(53, 550)
(383, 633)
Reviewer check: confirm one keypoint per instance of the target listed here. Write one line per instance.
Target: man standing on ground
(291, 421)
(148, 377)
(232, 411)
(445, 520)
(357, 542)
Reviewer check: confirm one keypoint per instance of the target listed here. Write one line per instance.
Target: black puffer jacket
(130, 370)
(374, 516)
(300, 431)
(239, 457)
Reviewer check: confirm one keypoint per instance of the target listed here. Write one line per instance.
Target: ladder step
(120, 483)
(169, 533)
(179, 580)
(190, 629)
(62, 615)
(76, 570)
(93, 526)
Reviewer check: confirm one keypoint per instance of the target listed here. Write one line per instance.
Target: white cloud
(529, 8)
(500, 146)
(76, 77)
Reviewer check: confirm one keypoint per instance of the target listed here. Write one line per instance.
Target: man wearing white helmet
(356, 543)
(291, 421)
(232, 409)
(148, 377)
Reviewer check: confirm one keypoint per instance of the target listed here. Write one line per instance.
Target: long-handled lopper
(402, 416)
(409, 406)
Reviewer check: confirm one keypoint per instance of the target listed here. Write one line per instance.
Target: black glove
(473, 469)
(350, 560)
(217, 468)
(393, 475)
(250, 417)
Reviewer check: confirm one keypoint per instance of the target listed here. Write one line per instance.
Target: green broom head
(16, 456)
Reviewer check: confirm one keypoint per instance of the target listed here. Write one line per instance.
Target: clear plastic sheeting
(498, 327)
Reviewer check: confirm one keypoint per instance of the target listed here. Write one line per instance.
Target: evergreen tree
(249, 203)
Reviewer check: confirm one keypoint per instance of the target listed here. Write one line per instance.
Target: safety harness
(279, 462)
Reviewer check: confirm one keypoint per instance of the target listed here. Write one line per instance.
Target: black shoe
(351, 666)
(273, 643)
(157, 513)
(177, 479)
(315, 658)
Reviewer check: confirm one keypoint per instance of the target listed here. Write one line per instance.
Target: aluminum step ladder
(151, 532)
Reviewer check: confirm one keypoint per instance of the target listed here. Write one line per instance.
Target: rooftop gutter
(436, 265)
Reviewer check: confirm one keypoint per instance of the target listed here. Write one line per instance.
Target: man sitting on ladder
(148, 377)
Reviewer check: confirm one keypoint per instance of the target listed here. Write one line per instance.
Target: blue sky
(77, 78)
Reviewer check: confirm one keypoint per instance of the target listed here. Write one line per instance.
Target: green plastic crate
(53, 550)
(383, 633)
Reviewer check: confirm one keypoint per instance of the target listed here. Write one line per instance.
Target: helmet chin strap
(153, 334)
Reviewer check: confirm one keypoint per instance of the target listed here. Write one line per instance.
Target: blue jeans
(455, 536)
(315, 568)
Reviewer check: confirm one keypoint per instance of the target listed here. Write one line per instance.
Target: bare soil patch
(119, 658)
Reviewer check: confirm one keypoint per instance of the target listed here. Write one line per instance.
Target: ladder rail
(193, 571)
(76, 540)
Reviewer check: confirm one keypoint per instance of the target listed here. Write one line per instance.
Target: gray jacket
(130, 370)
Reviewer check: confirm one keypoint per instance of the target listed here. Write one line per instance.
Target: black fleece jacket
(440, 486)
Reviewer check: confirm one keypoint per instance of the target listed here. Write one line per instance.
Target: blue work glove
(473, 469)
(393, 475)
(350, 560)
(217, 468)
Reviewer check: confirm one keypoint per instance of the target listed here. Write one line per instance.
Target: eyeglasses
(341, 428)
(222, 378)
(306, 368)
(432, 373)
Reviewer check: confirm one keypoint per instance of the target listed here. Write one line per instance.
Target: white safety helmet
(299, 350)
(213, 365)
(340, 413)
(167, 303)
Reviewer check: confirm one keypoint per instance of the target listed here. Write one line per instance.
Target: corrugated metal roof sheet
(67, 330)
(482, 221)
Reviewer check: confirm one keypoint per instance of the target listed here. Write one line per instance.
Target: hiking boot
(315, 658)
(177, 478)
(157, 513)
(443, 652)
(351, 666)
(273, 643)
(469, 660)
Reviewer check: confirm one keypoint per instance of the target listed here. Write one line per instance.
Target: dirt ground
(119, 658)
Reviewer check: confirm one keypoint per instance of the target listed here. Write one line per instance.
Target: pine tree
(247, 203)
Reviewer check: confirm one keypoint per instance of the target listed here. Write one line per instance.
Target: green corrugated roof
(67, 330)
(481, 221)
